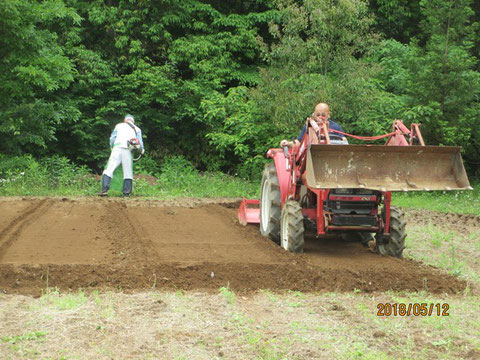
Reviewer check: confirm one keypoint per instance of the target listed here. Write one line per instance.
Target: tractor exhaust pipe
(386, 168)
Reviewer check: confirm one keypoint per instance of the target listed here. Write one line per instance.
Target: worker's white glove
(143, 151)
(289, 144)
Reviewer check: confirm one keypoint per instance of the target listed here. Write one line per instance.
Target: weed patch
(57, 176)
(449, 250)
(34, 335)
(193, 325)
(68, 301)
(228, 294)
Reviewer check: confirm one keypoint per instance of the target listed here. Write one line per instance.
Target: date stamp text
(412, 309)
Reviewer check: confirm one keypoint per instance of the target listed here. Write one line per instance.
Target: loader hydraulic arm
(400, 131)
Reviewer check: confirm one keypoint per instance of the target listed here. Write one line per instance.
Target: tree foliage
(397, 19)
(34, 70)
(317, 56)
(437, 84)
(220, 82)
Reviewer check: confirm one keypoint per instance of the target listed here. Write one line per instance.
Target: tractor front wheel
(270, 204)
(396, 245)
(291, 227)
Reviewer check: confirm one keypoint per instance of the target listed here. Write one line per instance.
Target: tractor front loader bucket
(386, 168)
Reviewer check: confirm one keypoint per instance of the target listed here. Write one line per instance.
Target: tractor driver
(321, 114)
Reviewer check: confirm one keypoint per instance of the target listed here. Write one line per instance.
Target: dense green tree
(397, 19)
(237, 132)
(158, 60)
(436, 84)
(317, 56)
(443, 75)
(34, 71)
(219, 82)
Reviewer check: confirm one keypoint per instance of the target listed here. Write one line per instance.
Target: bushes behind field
(176, 176)
(56, 175)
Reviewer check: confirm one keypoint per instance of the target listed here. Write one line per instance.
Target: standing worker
(125, 137)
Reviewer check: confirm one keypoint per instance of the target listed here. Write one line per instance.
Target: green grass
(56, 176)
(228, 294)
(53, 176)
(202, 325)
(461, 202)
(52, 298)
(197, 185)
(177, 177)
(34, 335)
(24, 346)
(252, 334)
(457, 253)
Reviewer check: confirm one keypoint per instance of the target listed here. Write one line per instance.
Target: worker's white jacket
(122, 133)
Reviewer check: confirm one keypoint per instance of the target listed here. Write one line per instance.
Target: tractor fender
(284, 175)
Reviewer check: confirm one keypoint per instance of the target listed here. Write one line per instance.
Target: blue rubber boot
(127, 187)
(105, 185)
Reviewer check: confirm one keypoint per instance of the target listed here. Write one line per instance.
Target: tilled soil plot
(180, 244)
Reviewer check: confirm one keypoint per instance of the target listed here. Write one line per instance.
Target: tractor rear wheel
(291, 227)
(270, 204)
(396, 245)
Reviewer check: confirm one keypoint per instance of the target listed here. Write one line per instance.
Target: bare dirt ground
(132, 245)
(461, 223)
(181, 279)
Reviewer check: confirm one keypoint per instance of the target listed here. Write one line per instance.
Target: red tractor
(332, 187)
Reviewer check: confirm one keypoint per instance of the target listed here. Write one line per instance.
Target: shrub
(24, 175)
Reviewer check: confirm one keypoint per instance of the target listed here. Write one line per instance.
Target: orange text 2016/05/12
(412, 309)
